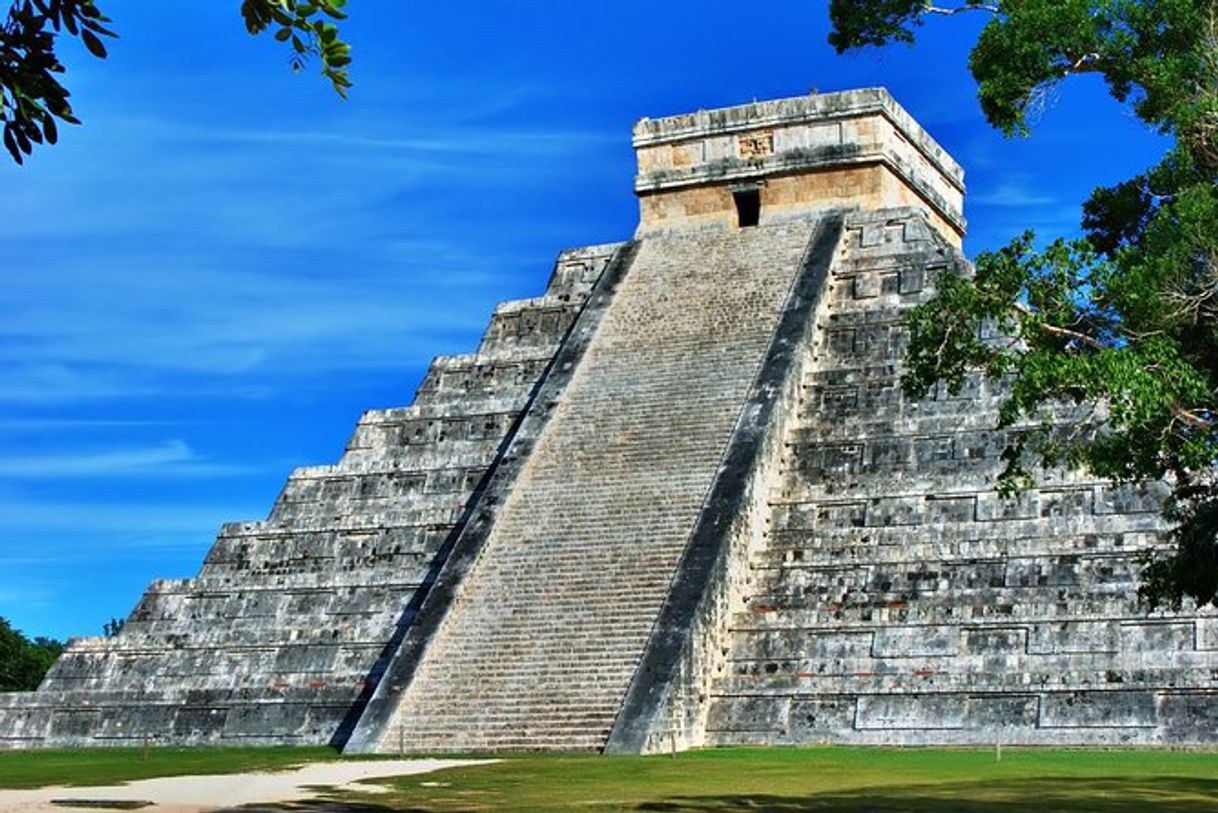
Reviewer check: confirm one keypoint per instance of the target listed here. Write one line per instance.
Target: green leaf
(94, 44)
(10, 144)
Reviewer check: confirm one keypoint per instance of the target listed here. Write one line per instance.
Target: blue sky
(206, 284)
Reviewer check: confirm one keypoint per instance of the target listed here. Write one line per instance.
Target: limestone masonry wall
(855, 149)
(279, 637)
(898, 599)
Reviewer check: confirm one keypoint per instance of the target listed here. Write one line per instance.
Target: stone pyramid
(677, 500)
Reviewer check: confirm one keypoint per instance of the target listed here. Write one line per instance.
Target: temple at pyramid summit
(676, 500)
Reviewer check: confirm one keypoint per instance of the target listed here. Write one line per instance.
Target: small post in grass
(672, 744)
(998, 750)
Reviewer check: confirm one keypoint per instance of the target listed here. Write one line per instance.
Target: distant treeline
(24, 662)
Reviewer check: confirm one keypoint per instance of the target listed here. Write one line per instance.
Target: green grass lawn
(825, 780)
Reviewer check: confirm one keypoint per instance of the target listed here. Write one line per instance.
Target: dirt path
(199, 794)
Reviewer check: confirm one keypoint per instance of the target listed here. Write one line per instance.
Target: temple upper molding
(803, 152)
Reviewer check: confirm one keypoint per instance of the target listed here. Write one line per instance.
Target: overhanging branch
(933, 9)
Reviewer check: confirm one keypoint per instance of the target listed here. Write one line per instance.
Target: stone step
(556, 712)
(313, 586)
(891, 568)
(439, 743)
(489, 729)
(603, 509)
(854, 584)
(491, 665)
(451, 454)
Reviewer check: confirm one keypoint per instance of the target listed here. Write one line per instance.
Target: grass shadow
(313, 806)
(1032, 795)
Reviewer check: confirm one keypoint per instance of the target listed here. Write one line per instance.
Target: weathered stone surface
(896, 598)
(857, 148)
(679, 499)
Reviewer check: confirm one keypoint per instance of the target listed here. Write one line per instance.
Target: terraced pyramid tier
(897, 599)
(281, 635)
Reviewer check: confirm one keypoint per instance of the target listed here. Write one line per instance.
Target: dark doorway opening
(748, 207)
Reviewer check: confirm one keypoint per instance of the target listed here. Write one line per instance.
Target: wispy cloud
(1012, 194)
(173, 458)
(22, 425)
(80, 530)
(513, 142)
(24, 594)
(272, 255)
(241, 332)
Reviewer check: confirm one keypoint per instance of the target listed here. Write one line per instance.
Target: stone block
(991, 507)
(150, 722)
(1157, 636)
(910, 712)
(750, 713)
(1206, 633)
(1130, 498)
(999, 716)
(1187, 717)
(1077, 635)
(1001, 641)
(73, 725)
(265, 720)
(820, 719)
(951, 508)
(914, 642)
(883, 512)
(1098, 709)
(866, 286)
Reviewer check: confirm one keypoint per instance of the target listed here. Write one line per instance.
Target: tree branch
(932, 9)
(1087, 63)
(1062, 332)
(1191, 417)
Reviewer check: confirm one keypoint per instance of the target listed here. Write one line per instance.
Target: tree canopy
(32, 98)
(1108, 348)
(24, 662)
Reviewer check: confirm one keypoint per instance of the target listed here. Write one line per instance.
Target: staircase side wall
(374, 731)
(666, 705)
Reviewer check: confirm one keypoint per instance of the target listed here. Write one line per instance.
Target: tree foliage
(23, 662)
(306, 26)
(1106, 346)
(32, 97)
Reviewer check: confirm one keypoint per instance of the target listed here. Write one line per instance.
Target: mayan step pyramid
(677, 500)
